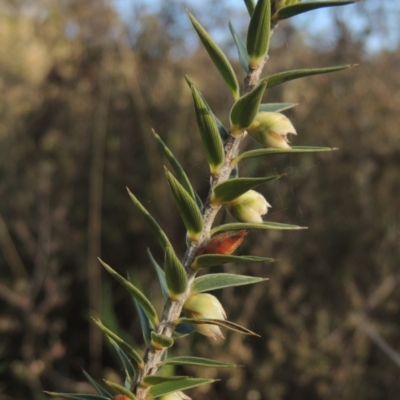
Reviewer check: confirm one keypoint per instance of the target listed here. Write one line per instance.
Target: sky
(318, 23)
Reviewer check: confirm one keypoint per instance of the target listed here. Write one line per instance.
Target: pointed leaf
(276, 107)
(246, 108)
(145, 323)
(156, 380)
(156, 229)
(258, 34)
(175, 274)
(182, 177)
(130, 372)
(121, 343)
(209, 131)
(299, 8)
(135, 292)
(120, 389)
(160, 342)
(100, 390)
(160, 274)
(197, 361)
(174, 386)
(241, 48)
(286, 76)
(220, 322)
(262, 226)
(271, 151)
(182, 330)
(250, 6)
(211, 260)
(231, 189)
(78, 396)
(211, 282)
(218, 57)
(187, 207)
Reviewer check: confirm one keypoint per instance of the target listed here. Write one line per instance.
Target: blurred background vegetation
(82, 82)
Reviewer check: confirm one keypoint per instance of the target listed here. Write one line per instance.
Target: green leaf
(211, 260)
(130, 372)
(156, 380)
(218, 57)
(231, 189)
(246, 108)
(78, 396)
(182, 177)
(135, 292)
(174, 386)
(276, 107)
(160, 274)
(197, 361)
(187, 207)
(145, 323)
(220, 322)
(258, 34)
(156, 229)
(250, 6)
(175, 274)
(209, 132)
(210, 282)
(120, 389)
(271, 151)
(286, 76)
(241, 48)
(159, 342)
(100, 390)
(243, 225)
(299, 8)
(121, 343)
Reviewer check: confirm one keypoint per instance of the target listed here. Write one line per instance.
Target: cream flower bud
(249, 207)
(271, 129)
(204, 305)
(175, 396)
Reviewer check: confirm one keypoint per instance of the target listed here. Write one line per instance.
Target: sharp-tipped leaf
(211, 260)
(120, 389)
(100, 390)
(209, 131)
(175, 274)
(299, 8)
(135, 292)
(156, 380)
(173, 386)
(264, 225)
(246, 108)
(271, 151)
(218, 57)
(220, 322)
(211, 282)
(250, 5)
(78, 396)
(160, 274)
(145, 323)
(286, 76)
(241, 48)
(121, 343)
(130, 372)
(258, 34)
(231, 189)
(276, 107)
(159, 342)
(182, 177)
(197, 361)
(156, 229)
(187, 207)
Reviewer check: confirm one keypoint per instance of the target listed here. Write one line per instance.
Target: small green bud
(271, 129)
(205, 306)
(249, 207)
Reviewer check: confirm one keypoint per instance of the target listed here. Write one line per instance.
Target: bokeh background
(82, 83)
